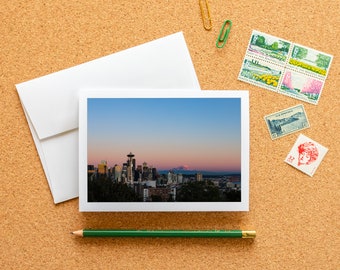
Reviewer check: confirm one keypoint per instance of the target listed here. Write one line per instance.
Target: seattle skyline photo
(164, 149)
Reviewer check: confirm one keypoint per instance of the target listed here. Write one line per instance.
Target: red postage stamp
(306, 155)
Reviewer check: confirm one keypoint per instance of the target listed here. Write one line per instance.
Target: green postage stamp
(284, 67)
(286, 121)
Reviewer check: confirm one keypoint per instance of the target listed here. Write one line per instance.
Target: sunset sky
(196, 133)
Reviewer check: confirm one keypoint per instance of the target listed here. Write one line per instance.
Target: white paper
(51, 102)
(230, 144)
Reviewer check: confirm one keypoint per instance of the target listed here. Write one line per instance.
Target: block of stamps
(284, 67)
(306, 155)
(287, 121)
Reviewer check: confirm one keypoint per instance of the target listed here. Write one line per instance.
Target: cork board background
(295, 216)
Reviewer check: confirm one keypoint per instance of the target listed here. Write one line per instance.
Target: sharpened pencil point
(78, 233)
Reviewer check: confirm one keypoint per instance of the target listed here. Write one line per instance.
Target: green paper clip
(222, 38)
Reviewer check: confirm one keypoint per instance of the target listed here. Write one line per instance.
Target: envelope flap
(51, 101)
(50, 112)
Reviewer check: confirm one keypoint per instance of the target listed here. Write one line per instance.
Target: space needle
(130, 165)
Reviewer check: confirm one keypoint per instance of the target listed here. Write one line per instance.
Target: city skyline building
(102, 167)
(148, 185)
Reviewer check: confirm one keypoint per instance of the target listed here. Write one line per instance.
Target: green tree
(275, 46)
(198, 191)
(122, 193)
(232, 196)
(260, 41)
(299, 52)
(101, 189)
(323, 61)
(98, 189)
(284, 46)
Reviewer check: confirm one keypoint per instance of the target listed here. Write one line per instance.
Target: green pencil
(165, 233)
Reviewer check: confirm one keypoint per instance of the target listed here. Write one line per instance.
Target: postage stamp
(301, 86)
(261, 73)
(284, 67)
(287, 121)
(306, 155)
(269, 47)
(307, 59)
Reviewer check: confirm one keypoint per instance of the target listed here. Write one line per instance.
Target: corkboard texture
(296, 216)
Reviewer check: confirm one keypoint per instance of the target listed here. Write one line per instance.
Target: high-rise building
(199, 177)
(180, 179)
(145, 171)
(102, 167)
(154, 173)
(170, 178)
(90, 169)
(124, 172)
(139, 173)
(117, 173)
(91, 172)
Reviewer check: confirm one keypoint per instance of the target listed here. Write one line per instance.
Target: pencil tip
(71, 233)
(78, 233)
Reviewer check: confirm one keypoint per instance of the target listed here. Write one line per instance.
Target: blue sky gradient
(198, 133)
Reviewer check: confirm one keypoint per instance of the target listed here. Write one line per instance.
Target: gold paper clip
(205, 12)
(224, 33)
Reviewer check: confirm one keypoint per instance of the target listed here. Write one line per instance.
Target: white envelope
(50, 102)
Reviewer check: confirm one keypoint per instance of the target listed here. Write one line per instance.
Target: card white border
(85, 206)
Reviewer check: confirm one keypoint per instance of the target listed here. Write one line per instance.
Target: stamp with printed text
(269, 47)
(301, 86)
(287, 121)
(260, 73)
(309, 60)
(306, 155)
